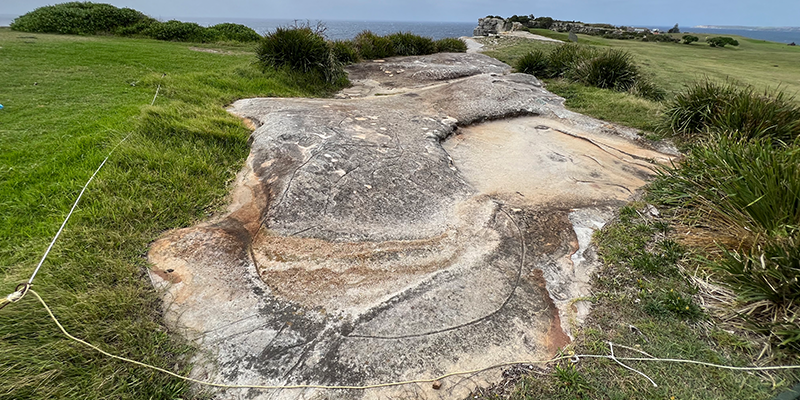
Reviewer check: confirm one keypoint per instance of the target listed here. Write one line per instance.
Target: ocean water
(780, 36)
(437, 30)
(348, 29)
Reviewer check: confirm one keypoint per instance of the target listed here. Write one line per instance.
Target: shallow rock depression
(434, 218)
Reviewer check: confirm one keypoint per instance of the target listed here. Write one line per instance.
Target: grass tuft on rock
(450, 45)
(409, 44)
(300, 48)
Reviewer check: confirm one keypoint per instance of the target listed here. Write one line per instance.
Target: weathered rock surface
(371, 239)
(493, 26)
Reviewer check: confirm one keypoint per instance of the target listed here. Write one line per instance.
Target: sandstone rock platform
(436, 217)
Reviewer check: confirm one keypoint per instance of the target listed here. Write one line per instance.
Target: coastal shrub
(688, 39)
(178, 31)
(610, 69)
(372, 47)
(721, 41)
(450, 45)
(235, 32)
(534, 63)
(409, 44)
(345, 51)
(78, 18)
(741, 111)
(136, 29)
(659, 38)
(301, 49)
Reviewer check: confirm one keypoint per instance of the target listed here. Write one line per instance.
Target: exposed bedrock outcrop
(435, 219)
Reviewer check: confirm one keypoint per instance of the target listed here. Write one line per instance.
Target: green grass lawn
(68, 100)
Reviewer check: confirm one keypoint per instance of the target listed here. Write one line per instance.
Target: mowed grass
(68, 100)
(671, 66)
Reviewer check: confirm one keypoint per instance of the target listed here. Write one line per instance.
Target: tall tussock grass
(300, 48)
(737, 183)
(741, 110)
(748, 190)
(606, 69)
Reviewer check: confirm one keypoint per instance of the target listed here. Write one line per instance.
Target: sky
(687, 13)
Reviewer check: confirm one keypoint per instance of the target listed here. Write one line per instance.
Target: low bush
(707, 106)
(450, 45)
(409, 44)
(534, 63)
(78, 18)
(301, 49)
(721, 41)
(659, 38)
(345, 51)
(372, 47)
(86, 18)
(688, 39)
(235, 32)
(177, 31)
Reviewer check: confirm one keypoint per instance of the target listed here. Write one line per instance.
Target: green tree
(688, 39)
(674, 29)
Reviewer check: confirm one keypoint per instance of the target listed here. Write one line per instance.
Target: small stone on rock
(437, 385)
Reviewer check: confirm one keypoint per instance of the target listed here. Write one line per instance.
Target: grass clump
(610, 69)
(767, 280)
(607, 69)
(300, 48)
(534, 63)
(345, 51)
(563, 58)
(745, 193)
(450, 45)
(373, 47)
(79, 18)
(409, 44)
(706, 107)
(748, 189)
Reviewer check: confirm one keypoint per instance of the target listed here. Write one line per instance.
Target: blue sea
(437, 30)
(780, 36)
(348, 29)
